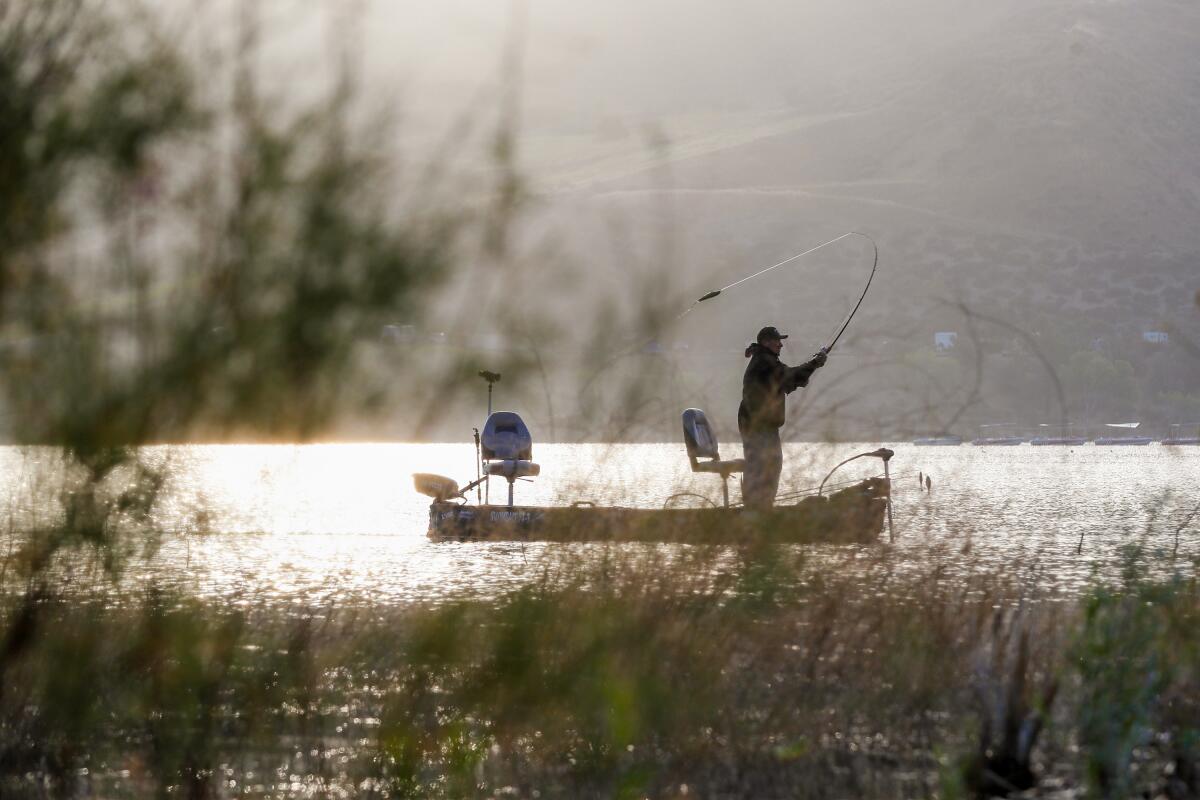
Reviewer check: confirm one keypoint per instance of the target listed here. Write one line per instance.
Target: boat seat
(513, 469)
(701, 443)
(505, 437)
(506, 448)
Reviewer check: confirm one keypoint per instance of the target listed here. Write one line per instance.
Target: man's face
(774, 345)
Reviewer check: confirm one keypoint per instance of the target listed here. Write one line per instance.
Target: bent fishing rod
(853, 311)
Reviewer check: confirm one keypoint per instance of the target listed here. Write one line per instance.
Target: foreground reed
(619, 673)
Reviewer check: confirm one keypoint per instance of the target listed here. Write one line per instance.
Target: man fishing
(765, 385)
(767, 382)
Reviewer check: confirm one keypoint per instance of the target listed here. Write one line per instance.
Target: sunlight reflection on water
(326, 523)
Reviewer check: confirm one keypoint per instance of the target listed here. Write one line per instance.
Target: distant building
(1155, 337)
(944, 340)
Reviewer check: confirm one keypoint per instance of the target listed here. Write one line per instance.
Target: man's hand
(820, 358)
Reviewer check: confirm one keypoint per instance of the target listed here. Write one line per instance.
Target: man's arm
(797, 377)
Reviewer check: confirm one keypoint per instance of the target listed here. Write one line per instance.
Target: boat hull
(854, 515)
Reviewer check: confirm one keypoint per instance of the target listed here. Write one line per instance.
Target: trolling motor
(883, 454)
(439, 487)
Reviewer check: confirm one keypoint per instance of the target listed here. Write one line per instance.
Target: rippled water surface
(343, 523)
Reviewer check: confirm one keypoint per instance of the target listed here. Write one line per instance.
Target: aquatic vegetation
(1138, 668)
(616, 674)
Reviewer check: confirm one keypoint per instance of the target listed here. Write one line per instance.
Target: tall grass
(618, 674)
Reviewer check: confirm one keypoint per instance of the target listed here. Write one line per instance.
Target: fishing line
(716, 292)
(788, 260)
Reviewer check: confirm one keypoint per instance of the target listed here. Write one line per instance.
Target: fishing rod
(788, 260)
(863, 296)
(716, 292)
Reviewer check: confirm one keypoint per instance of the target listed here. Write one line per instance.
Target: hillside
(1031, 154)
(1028, 169)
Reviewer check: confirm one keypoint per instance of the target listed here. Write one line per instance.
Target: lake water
(342, 523)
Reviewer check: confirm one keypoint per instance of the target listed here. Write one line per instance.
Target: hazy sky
(1010, 155)
(581, 61)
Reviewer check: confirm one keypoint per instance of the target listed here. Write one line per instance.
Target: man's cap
(770, 332)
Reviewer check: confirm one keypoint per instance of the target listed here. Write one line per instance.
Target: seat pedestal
(512, 469)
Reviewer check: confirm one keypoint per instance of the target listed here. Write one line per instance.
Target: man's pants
(764, 462)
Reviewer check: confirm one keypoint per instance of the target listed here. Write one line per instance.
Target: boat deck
(852, 515)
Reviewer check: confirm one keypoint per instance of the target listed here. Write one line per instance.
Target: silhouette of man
(765, 385)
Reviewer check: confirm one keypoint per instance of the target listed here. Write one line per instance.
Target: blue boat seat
(506, 447)
(701, 443)
(505, 437)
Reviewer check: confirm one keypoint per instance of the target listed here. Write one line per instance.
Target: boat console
(506, 447)
(701, 442)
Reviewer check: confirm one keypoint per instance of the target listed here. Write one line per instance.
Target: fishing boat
(1064, 438)
(938, 441)
(1179, 435)
(998, 434)
(1065, 441)
(1125, 441)
(1128, 441)
(853, 514)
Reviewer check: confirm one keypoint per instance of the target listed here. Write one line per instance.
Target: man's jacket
(765, 386)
